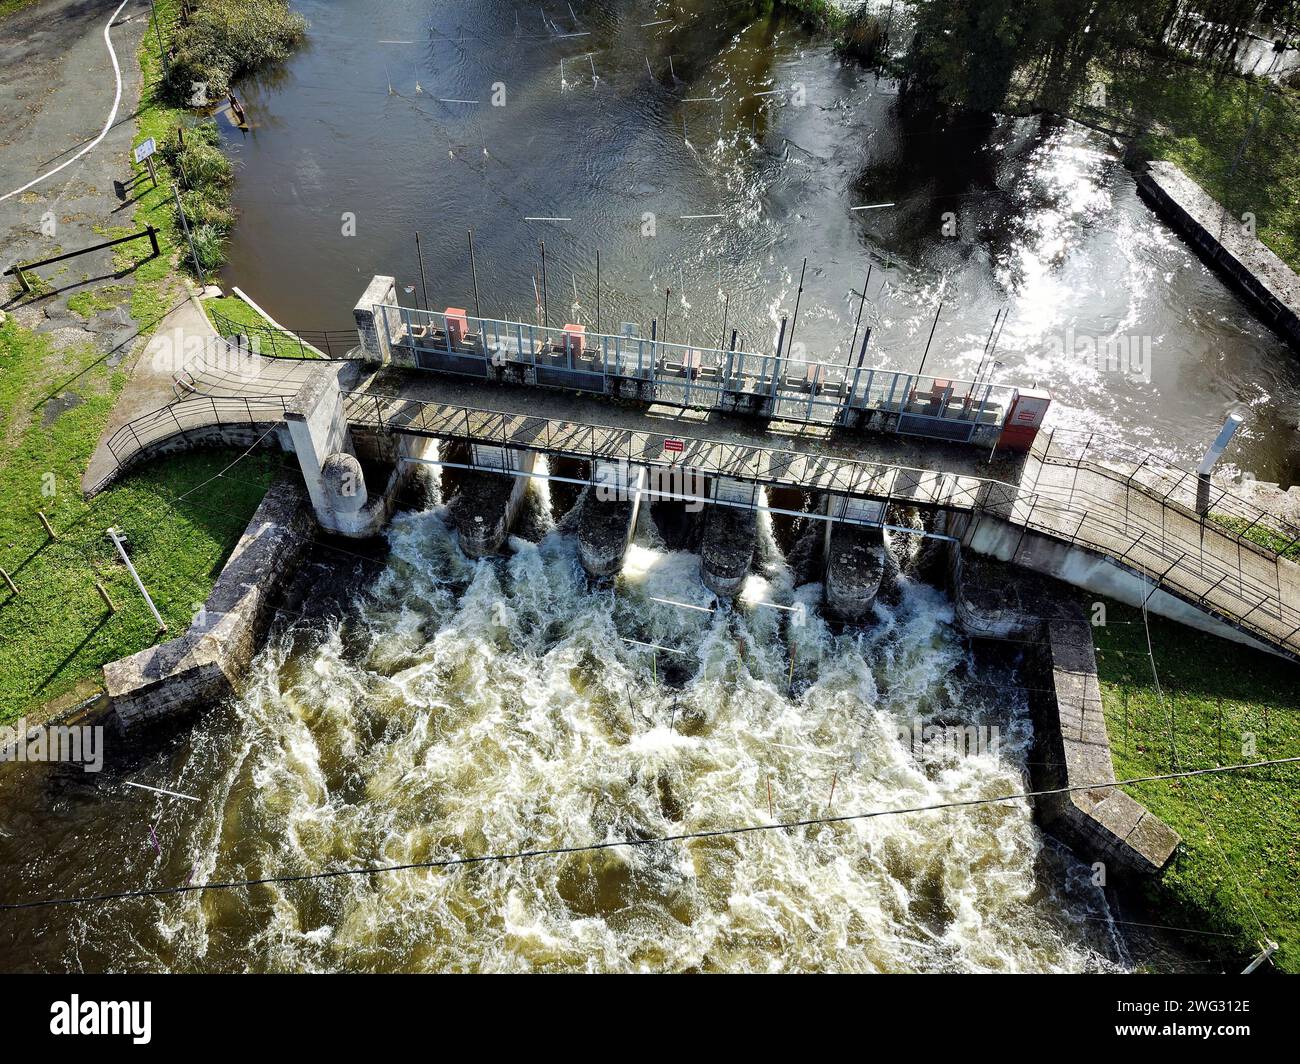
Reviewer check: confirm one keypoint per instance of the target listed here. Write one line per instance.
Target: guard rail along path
(1080, 502)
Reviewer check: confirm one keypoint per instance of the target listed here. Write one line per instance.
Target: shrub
(205, 208)
(227, 38)
(210, 245)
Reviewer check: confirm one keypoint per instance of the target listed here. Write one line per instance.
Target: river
(416, 707)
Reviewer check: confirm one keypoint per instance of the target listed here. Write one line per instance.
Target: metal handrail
(302, 339)
(1225, 502)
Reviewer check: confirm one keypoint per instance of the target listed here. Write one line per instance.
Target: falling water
(459, 709)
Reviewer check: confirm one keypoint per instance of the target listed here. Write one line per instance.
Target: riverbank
(64, 359)
(1233, 879)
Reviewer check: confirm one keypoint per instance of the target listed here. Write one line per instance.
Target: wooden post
(152, 172)
(49, 531)
(153, 240)
(9, 580)
(22, 280)
(103, 593)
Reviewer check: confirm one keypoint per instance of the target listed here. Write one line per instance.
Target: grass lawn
(8, 7)
(57, 631)
(1240, 859)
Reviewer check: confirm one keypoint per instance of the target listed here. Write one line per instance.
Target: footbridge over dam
(637, 420)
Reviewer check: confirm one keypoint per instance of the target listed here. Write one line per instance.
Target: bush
(227, 38)
(210, 245)
(205, 208)
(862, 37)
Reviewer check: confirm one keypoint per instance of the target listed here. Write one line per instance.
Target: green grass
(9, 7)
(56, 632)
(1199, 124)
(1265, 537)
(1240, 856)
(271, 340)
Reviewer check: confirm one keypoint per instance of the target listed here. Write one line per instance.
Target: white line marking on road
(112, 115)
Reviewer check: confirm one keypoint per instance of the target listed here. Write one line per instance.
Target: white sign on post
(145, 149)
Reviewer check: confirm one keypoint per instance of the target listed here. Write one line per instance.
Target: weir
(970, 455)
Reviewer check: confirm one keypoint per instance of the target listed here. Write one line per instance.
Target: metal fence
(685, 375)
(1141, 517)
(266, 339)
(1162, 540)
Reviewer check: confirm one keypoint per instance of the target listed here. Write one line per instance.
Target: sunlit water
(712, 155)
(459, 709)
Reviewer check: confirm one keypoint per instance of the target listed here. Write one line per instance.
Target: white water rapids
(470, 708)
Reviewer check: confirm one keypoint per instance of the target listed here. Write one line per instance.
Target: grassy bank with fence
(58, 628)
(1214, 703)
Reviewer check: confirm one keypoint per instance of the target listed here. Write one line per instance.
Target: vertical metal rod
(862, 304)
(726, 306)
(162, 49)
(598, 329)
(667, 293)
(933, 325)
(546, 318)
(424, 284)
(473, 271)
(186, 226)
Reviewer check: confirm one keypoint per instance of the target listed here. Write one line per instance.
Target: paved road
(57, 88)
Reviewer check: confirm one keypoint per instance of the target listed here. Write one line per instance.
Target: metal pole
(798, 296)
(862, 304)
(598, 329)
(726, 306)
(424, 285)
(162, 49)
(473, 272)
(546, 318)
(117, 542)
(667, 292)
(186, 226)
(929, 341)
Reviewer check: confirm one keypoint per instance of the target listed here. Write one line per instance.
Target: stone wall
(203, 666)
(1270, 286)
(1072, 749)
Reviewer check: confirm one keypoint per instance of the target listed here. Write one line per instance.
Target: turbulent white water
(466, 709)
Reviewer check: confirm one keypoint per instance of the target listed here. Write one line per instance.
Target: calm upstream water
(431, 708)
(669, 121)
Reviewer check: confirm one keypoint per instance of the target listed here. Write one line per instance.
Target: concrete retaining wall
(1072, 749)
(208, 662)
(1269, 286)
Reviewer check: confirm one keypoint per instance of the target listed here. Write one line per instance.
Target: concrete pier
(489, 503)
(855, 559)
(730, 536)
(609, 515)
(1267, 283)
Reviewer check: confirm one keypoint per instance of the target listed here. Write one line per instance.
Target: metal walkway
(1127, 506)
